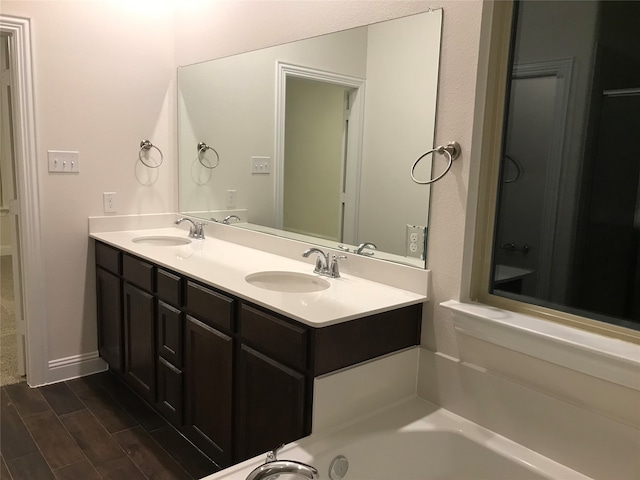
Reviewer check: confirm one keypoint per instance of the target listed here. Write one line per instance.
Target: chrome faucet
(196, 229)
(272, 468)
(321, 261)
(360, 249)
(228, 218)
(326, 264)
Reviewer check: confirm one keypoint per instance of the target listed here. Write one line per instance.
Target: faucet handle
(272, 455)
(199, 230)
(334, 269)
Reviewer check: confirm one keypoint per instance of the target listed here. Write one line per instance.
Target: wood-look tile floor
(90, 428)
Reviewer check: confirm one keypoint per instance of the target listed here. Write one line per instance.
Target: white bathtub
(415, 440)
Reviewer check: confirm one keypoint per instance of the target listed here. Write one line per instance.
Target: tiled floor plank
(88, 429)
(111, 415)
(4, 471)
(191, 459)
(61, 398)
(82, 383)
(132, 403)
(30, 467)
(120, 469)
(27, 400)
(91, 437)
(53, 440)
(149, 457)
(77, 471)
(16, 440)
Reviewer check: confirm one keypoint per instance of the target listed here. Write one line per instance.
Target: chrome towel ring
(452, 151)
(202, 149)
(145, 146)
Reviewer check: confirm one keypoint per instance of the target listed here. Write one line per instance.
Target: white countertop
(224, 265)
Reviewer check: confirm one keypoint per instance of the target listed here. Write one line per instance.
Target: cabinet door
(170, 391)
(139, 339)
(208, 399)
(108, 291)
(169, 331)
(271, 404)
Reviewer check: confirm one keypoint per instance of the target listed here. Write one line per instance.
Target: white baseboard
(68, 368)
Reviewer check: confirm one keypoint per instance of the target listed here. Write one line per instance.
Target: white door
(9, 207)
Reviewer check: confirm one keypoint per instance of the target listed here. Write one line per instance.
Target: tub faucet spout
(273, 468)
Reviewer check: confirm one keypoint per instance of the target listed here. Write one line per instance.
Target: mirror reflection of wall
(230, 103)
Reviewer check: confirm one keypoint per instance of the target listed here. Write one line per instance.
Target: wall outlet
(260, 165)
(230, 198)
(109, 202)
(415, 241)
(63, 162)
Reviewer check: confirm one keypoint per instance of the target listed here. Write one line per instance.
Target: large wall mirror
(314, 140)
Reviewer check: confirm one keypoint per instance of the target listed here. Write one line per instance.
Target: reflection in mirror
(567, 230)
(315, 138)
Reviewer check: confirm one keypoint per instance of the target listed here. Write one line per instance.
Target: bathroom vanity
(233, 367)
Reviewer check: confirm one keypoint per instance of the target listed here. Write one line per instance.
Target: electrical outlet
(230, 198)
(415, 241)
(109, 202)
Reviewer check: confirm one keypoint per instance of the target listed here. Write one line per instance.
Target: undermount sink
(162, 241)
(292, 282)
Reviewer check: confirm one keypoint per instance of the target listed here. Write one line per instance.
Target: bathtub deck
(413, 430)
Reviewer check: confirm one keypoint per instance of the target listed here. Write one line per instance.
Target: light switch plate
(63, 161)
(260, 165)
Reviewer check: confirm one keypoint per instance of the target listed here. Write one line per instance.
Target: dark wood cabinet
(235, 378)
(271, 406)
(170, 336)
(139, 341)
(170, 391)
(110, 339)
(209, 390)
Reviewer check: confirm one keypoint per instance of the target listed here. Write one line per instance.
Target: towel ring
(202, 148)
(452, 150)
(519, 169)
(146, 145)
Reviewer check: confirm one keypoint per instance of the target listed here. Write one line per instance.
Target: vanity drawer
(169, 287)
(209, 306)
(281, 340)
(138, 272)
(108, 258)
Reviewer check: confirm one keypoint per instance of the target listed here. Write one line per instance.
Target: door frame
(354, 140)
(33, 285)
